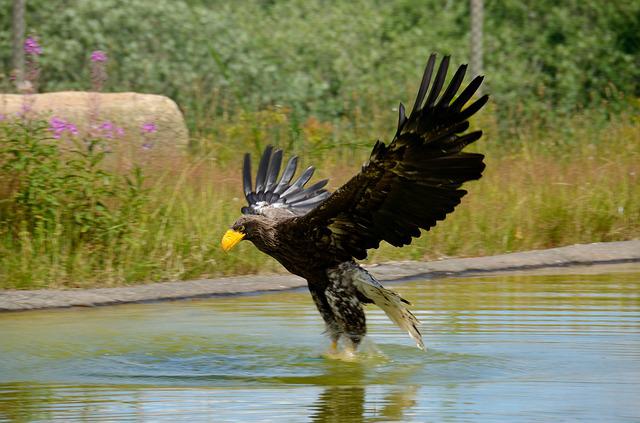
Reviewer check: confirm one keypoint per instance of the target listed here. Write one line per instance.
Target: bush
(218, 57)
(61, 201)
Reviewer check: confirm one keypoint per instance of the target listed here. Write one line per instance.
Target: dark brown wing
(410, 184)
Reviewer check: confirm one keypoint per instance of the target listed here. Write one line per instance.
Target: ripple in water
(532, 348)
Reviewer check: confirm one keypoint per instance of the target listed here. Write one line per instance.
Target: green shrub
(334, 59)
(60, 202)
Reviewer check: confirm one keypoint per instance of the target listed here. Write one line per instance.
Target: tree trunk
(477, 17)
(17, 61)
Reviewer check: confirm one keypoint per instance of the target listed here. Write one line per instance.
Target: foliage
(217, 57)
(321, 79)
(542, 192)
(59, 203)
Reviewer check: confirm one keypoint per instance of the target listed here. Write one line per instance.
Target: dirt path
(574, 255)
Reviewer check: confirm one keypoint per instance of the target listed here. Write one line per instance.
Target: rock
(129, 111)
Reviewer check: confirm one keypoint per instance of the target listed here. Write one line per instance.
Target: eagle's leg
(347, 310)
(332, 327)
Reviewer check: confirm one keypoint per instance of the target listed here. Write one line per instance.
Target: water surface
(500, 348)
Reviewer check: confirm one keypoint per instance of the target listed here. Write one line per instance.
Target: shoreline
(553, 258)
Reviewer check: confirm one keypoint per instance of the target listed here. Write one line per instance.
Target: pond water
(501, 348)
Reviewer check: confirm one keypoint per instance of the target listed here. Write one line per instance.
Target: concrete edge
(573, 255)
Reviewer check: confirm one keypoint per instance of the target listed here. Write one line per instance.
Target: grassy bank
(544, 186)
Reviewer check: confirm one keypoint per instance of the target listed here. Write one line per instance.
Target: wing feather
(273, 171)
(438, 83)
(246, 178)
(299, 183)
(261, 176)
(287, 175)
(424, 84)
(282, 194)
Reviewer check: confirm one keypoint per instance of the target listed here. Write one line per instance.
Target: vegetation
(549, 191)
(562, 131)
(215, 57)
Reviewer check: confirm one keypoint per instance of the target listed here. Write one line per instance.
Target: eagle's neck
(291, 250)
(265, 235)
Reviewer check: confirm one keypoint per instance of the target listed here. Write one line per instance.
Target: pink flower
(108, 129)
(107, 126)
(72, 129)
(59, 126)
(149, 128)
(32, 47)
(98, 56)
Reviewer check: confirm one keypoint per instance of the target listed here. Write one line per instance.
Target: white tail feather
(390, 302)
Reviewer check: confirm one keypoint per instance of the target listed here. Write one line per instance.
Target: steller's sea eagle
(408, 185)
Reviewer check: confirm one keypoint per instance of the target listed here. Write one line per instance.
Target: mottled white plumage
(394, 306)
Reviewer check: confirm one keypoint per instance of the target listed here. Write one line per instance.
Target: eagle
(405, 186)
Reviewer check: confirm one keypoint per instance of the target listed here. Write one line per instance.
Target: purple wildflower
(57, 124)
(108, 129)
(2, 117)
(98, 69)
(98, 56)
(32, 47)
(107, 126)
(60, 126)
(149, 128)
(72, 129)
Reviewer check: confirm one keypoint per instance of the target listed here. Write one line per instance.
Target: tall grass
(544, 186)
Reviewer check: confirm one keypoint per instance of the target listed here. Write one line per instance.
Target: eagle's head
(252, 227)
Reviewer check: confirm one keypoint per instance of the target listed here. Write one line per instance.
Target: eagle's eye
(241, 229)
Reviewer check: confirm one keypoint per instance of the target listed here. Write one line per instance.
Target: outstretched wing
(413, 182)
(270, 192)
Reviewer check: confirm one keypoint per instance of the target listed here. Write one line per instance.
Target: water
(501, 348)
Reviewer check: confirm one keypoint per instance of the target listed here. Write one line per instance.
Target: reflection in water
(534, 348)
(338, 403)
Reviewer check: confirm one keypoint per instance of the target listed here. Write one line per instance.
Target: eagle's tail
(391, 303)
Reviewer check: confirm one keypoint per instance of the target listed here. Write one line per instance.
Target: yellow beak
(230, 239)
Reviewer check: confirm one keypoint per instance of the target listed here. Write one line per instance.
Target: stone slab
(562, 257)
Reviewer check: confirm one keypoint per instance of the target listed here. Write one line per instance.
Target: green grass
(544, 186)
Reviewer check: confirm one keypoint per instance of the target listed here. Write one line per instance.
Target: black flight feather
(272, 175)
(466, 94)
(424, 85)
(438, 83)
(287, 175)
(261, 176)
(305, 193)
(273, 170)
(246, 177)
(299, 183)
(454, 86)
(402, 118)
